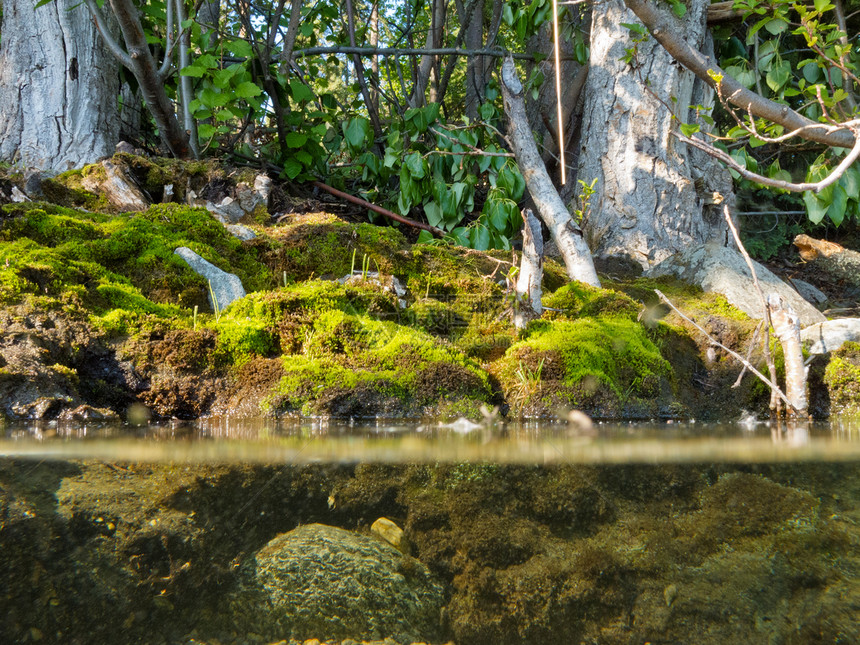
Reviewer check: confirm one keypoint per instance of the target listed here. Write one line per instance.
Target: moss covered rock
(324, 582)
(842, 377)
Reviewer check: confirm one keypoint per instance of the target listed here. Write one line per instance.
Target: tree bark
(58, 87)
(529, 291)
(552, 211)
(141, 63)
(654, 197)
(786, 327)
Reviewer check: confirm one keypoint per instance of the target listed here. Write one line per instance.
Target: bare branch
(112, 45)
(667, 32)
(817, 186)
(716, 343)
(410, 51)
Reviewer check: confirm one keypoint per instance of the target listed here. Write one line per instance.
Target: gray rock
(830, 335)
(323, 582)
(240, 231)
(226, 287)
(18, 196)
(810, 293)
(230, 210)
(723, 270)
(227, 211)
(33, 184)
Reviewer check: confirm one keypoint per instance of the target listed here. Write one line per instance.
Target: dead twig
(771, 384)
(438, 232)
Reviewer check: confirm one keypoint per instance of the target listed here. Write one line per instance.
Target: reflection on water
(236, 532)
(226, 439)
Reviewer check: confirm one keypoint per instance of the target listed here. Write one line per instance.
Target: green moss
(579, 300)
(322, 245)
(241, 338)
(600, 362)
(842, 377)
(342, 350)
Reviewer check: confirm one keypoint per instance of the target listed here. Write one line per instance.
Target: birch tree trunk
(58, 87)
(654, 196)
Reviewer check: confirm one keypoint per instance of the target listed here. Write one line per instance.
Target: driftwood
(529, 279)
(551, 209)
(831, 258)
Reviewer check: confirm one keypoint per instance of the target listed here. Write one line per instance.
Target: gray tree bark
(654, 196)
(58, 87)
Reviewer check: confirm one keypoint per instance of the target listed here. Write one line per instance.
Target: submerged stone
(325, 582)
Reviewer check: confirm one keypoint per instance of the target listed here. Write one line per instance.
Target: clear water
(514, 533)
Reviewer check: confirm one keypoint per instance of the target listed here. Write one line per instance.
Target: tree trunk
(58, 87)
(654, 196)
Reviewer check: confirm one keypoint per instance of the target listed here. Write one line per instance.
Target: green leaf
(302, 92)
(415, 164)
(206, 60)
(296, 139)
(635, 27)
(206, 131)
(776, 26)
(247, 90)
(778, 75)
(425, 237)
(292, 168)
(192, 70)
(487, 111)
(689, 129)
(241, 49)
(434, 213)
(836, 211)
(850, 181)
(815, 209)
(678, 8)
(507, 14)
(479, 238)
(356, 132)
(460, 235)
(823, 5)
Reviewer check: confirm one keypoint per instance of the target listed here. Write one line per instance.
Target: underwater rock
(723, 270)
(325, 582)
(224, 287)
(390, 532)
(830, 335)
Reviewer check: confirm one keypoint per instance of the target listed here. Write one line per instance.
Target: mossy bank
(342, 319)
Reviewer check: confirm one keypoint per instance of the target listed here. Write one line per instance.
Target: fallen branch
(564, 230)
(438, 232)
(773, 386)
(528, 289)
(768, 323)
